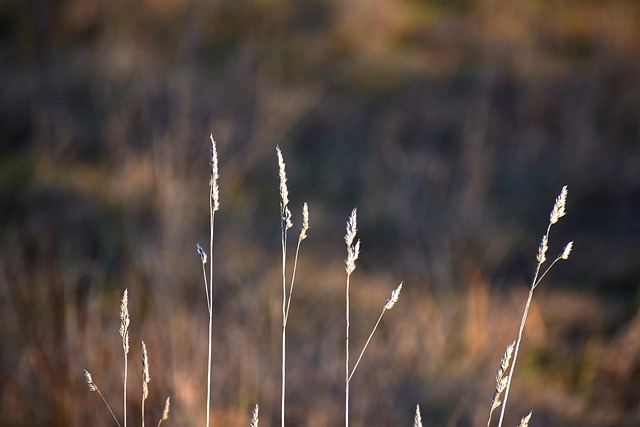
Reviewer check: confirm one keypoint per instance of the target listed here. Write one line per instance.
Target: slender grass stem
(557, 212)
(346, 360)
(388, 306)
(293, 278)
(283, 225)
(353, 251)
(366, 344)
(214, 204)
(93, 387)
(124, 333)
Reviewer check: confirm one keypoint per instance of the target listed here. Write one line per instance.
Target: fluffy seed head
(287, 219)
(394, 297)
(542, 250)
(254, 416)
(417, 420)
(567, 251)
(213, 183)
(284, 192)
(501, 378)
(165, 412)
(90, 383)
(305, 221)
(558, 209)
(353, 252)
(124, 321)
(524, 422)
(352, 227)
(504, 363)
(145, 372)
(202, 253)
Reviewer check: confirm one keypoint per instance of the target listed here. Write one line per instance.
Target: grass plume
(214, 205)
(254, 416)
(145, 378)
(501, 379)
(285, 224)
(124, 334)
(417, 420)
(165, 412)
(557, 212)
(353, 252)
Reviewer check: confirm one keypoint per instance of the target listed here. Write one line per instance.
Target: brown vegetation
(450, 125)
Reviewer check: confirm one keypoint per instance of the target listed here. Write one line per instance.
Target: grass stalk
(353, 251)
(93, 387)
(145, 378)
(388, 306)
(124, 334)
(285, 225)
(214, 205)
(557, 212)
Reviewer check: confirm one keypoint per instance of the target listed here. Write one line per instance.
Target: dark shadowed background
(450, 125)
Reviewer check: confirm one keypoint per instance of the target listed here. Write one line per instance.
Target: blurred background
(450, 125)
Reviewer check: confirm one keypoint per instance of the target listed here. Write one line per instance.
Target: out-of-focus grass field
(450, 125)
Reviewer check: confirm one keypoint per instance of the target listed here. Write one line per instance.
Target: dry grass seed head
(417, 420)
(558, 208)
(542, 250)
(124, 321)
(213, 184)
(202, 253)
(284, 192)
(254, 416)
(90, 383)
(145, 372)
(524, 422)
(394, 297)
(567, 250)
(305, 221)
